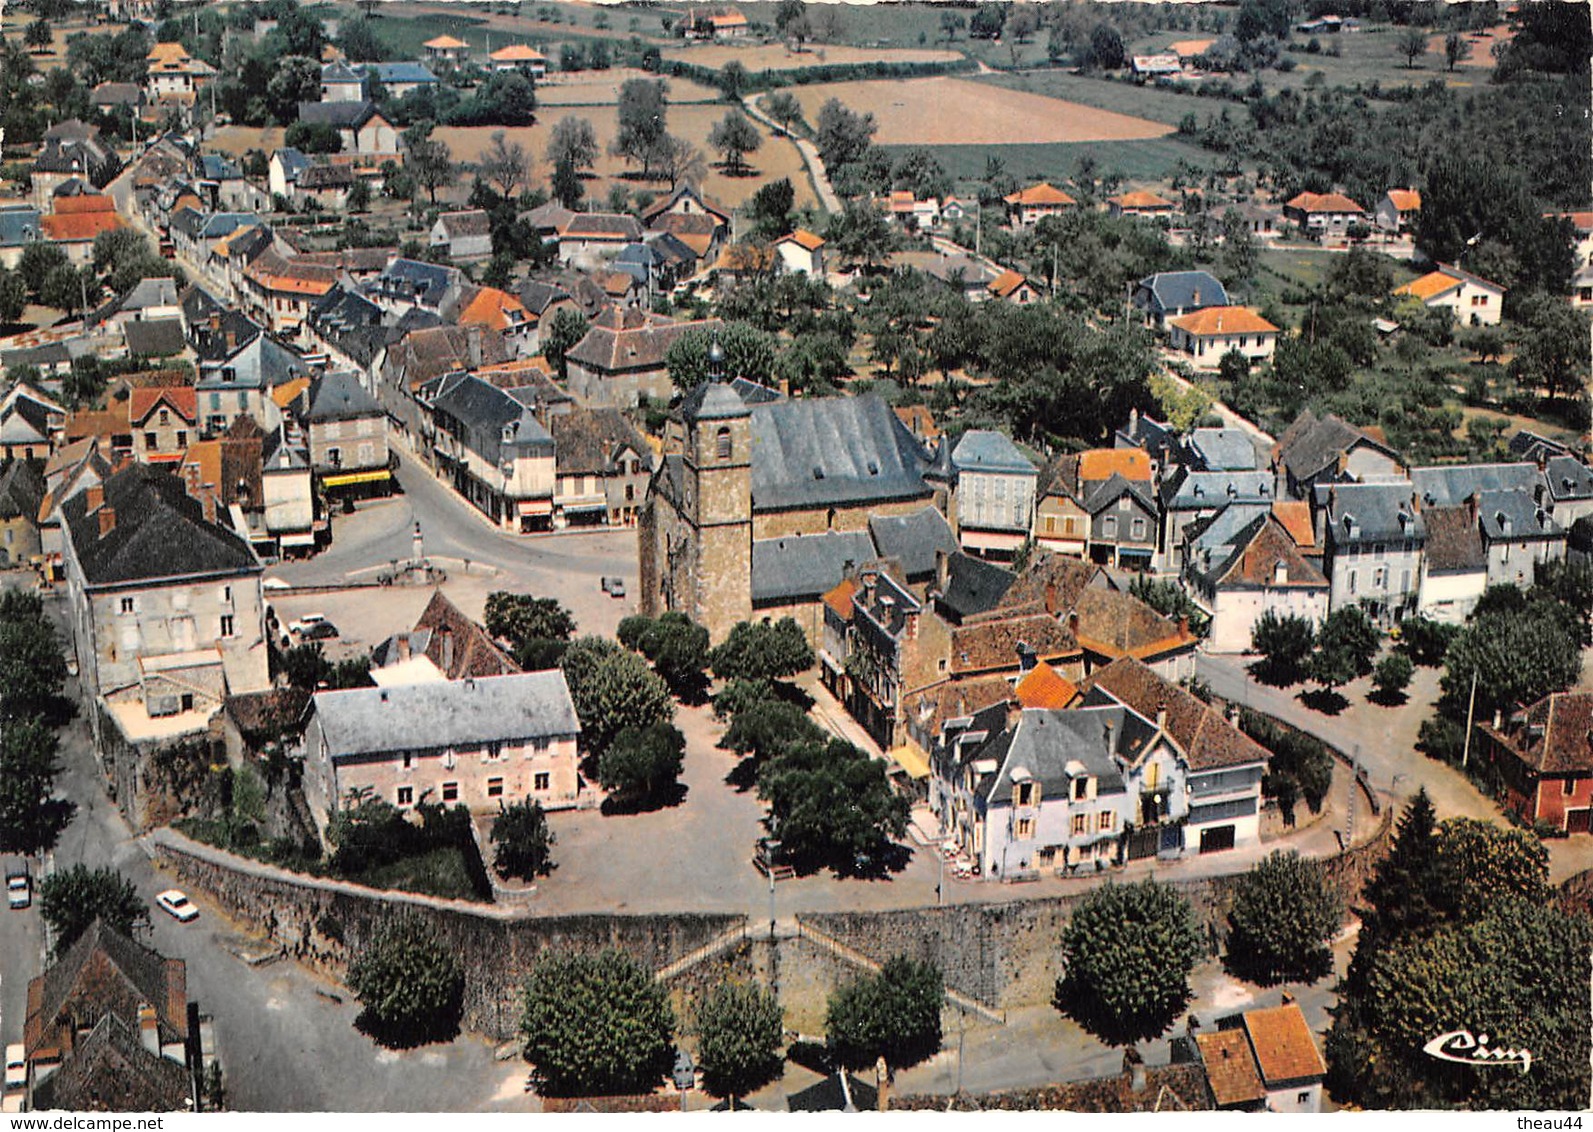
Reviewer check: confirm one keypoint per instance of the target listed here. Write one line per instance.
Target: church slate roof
(821, 451)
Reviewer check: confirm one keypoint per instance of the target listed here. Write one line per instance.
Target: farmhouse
(464, 235)
(1139, 202)
(801, 252)
(1543, 761)
(1320, 214)
(1396, 212)
(519, 57)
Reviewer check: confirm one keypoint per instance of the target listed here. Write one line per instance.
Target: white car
(16, 1069)
(178, 905)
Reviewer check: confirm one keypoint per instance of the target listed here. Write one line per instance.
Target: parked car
(320, 631)
(19, 886)
(16, 1069)
(177, 905)
(614, 587)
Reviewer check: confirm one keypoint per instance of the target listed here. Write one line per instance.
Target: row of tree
(32, 672)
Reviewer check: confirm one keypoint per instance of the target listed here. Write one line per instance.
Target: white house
(1260, 571)
(1207, 335)
(1473, 300)
(1397, 211)
(802, 252)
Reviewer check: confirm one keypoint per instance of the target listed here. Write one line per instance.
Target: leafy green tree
(359, 197)
(574, 141)
(1457, 48)
(1552, 355)
(523, 841)
(1483, 865)
(294, 79)
(597, 1025)
(409, 982)
(762, 650)
(612, 689)
(987, 21)
(749, 354)
(566, 185)
(535, 628)
(357, 39)
(677, 647)
(1411, 43)
(893, 1014)
(830, 804)
(1392, 676)
(1517, 657)
(733, 79)
(1127, 954)
(1106, 47)
(783, 107)
(642, 111)
(38, 36)
(765, 726)
(1425, 641)
(431, 162)
(72, 899)
(1345, 646)
(1285, 642)
(740, 1029)
(13, 296)
(1518, 975)
(36, 263)
(734, 136)
(1284, 916)
(861, 235)
(642, 762)
(32, 665)
(30, 818)
(313, 137)
(842, 135)
(1407, 892)
(566, 328)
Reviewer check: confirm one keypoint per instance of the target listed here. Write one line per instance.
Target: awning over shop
(348, 478)
(911, 759)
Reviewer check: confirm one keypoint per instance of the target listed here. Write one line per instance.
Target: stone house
(1471, 299)
(1373, 537)
(1026, 207)
(359, 125)
(30, 423)
(464, 235)
(21, 493)
(166, 605)
(1124, 524)
(1396, 213)
(895, 645)
(590, 239)
(346, 435)
(1510, 503)
(1189, 496)
(602, 466)
(282, 291)
(1171, 294)
(994, 494)
(623, 357)
(1260, 571)
(493, 449)
(482, 742)
(342, 83)
(1264, 1061)
(1317, 450)
(1061, 524)
(1454, 570)
(162, 421)
(242, 376)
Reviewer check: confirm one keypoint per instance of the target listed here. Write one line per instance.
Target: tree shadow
(1384, 698)
(411, 1035)
(891, 857)
(744, 775)
(1084, 1005)
(1250, 965)
(1328, 701)
(1273, 675)
(623, 805)
(738, 173)
(793, 694)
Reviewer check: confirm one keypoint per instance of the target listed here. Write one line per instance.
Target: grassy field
(1165, 106)
(776, 158)
(1153, 159)
(779, 57)
(948, 111)
(601, 88)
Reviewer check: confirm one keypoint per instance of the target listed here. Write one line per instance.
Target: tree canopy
(596, 1025)
(410, 983)
(612, 689)
(762, 650)
(523, 842)
(740, 1028)
(1284, 915)
(893, 1014)
(71, 899)
(1127, 953)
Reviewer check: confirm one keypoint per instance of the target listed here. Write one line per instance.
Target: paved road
(284, 1045)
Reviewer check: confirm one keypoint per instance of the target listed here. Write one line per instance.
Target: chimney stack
(1051, 600)
(402, 641)
(473, 343)
(148, 1028)
(1161, 715)
(96, 497)
(107, 520)
(232, 340)
(207, 503)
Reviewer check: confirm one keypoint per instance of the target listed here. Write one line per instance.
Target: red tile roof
(1213, 321)
(1042, 193)
(1284, 1048)
(79, 226)
(182, 400)
(1044, 687)
(1230, 1068)
(1208, 740)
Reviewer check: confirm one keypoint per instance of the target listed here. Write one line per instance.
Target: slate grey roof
(1199, 490)
(913, 540)
(326, 177)
(1568, 478)
(804, 566)
(340, 72)
(821, 450)
(414, 281)
(154, 337)
(713, 401)
(403, 72)
(1222, 450)
(292, 161)
(587, 440)
(1109, 491)
(1511, 516)
(984, 450)
(210, 343)
(1045, 743)
(260, 363)
(339, 396)
(493, 423)
(160, 291)
(974, 586)
(537, 297)
(752, 393)
(455, 713)
(1224, 528)
(1181, 291)
(159, 532)
(1529, 445)
(1357, 513)
(18, 226)
(338, 115)
(1451, 485)
(21, 490)
(1310, 446)
(1144, 432)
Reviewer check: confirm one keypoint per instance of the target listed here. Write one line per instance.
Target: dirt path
(817, 174)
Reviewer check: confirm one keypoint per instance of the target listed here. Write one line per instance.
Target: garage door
(1578, 821)
(1217, 838)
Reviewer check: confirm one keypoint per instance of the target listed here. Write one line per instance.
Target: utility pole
(1471, 705)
